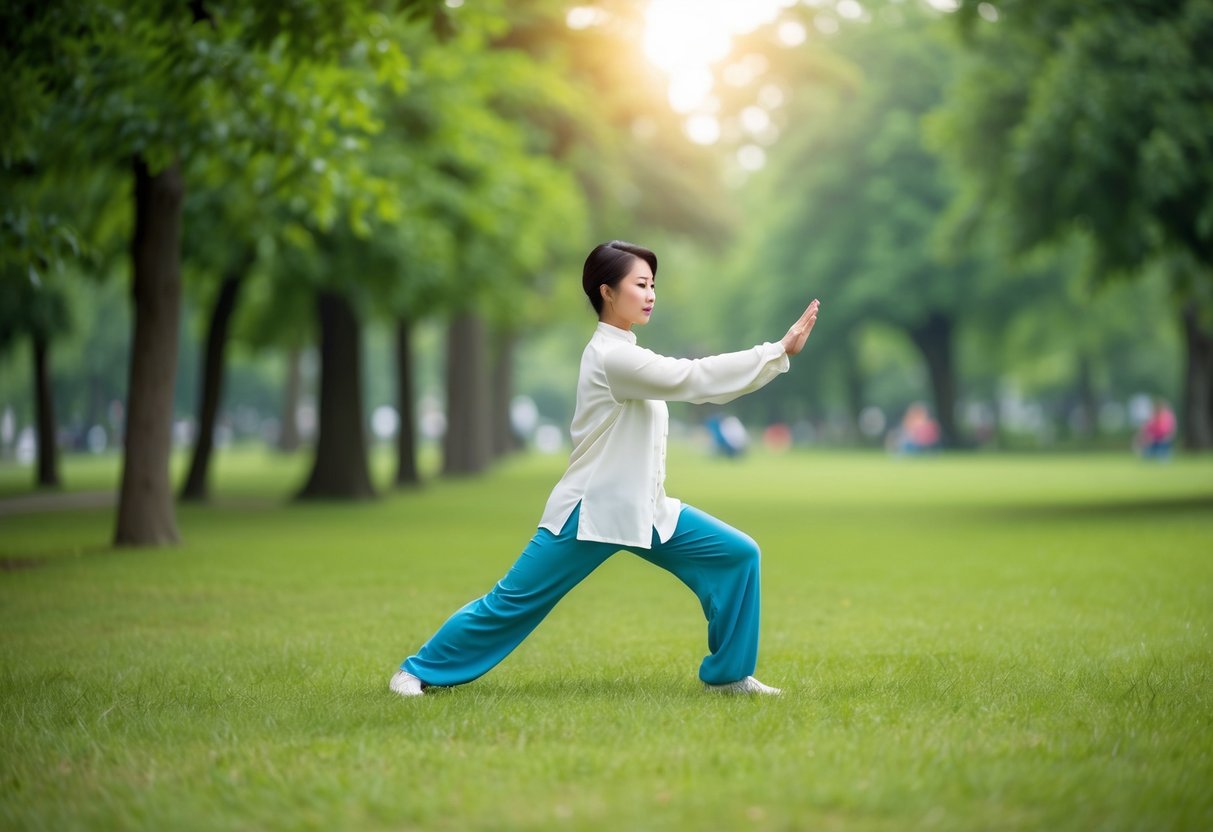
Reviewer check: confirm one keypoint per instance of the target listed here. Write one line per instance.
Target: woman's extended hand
(793, 342)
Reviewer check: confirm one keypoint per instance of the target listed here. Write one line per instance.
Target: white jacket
(619, 430)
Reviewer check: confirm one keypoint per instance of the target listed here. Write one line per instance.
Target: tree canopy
(1093, 119)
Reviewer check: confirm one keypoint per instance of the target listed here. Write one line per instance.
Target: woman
(612, 496)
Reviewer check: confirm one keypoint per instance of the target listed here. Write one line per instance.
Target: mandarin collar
(616, 333)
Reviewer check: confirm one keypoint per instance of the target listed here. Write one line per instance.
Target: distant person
(918, 431)
(613, 496)
(777, 437)
(728, 435)
(1157, 434)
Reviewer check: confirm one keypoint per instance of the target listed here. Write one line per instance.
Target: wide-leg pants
(719, 563)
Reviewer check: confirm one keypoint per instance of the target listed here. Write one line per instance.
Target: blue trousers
(719, 563)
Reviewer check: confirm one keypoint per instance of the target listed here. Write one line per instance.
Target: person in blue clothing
(612, 496)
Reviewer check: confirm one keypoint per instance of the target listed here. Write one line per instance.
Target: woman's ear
(605, 291)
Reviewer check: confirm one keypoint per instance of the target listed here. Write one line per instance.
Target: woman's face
(631, 300)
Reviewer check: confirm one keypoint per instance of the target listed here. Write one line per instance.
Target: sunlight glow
(792, 33)
(751, 157)
(687, 38)
(703, 129)
(743, 72)
(850, 9)
(690, 90)
(825, 24)
(755, 119)
(583, 17)
(680, 38)
(770, 96)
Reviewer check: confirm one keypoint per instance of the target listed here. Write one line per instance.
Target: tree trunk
(467, 445)
(501, 390)
(48, 446)
(196, 487)
(1087, 400)
(340, 470)
(406, 438)
(146, 515)
(1197, 408)
(288, 437)
(934, 340)
(853, 380)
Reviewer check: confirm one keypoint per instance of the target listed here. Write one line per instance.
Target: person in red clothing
(1158, 433)
(919, 432)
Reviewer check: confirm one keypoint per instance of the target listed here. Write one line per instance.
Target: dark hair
(610, 263)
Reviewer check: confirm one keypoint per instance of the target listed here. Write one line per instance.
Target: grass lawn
(971, 642)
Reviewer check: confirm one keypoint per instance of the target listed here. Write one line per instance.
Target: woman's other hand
(793, 342)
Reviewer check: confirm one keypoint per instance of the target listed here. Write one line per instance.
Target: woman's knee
(745, 549)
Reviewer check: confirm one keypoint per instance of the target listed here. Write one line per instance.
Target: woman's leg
(721, 566)
(477, 637)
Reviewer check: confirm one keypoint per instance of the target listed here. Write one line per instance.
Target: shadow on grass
(1104, 510)
(558, 689)
(20, 563)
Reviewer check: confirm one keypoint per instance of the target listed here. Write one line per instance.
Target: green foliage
(37, 249)
(1090, 116)
(268, 106)
(419, 157)
(848, 207)
(31, 308)
(987, 642)
(470, 207)
(863, 205)
(48, 232)
(859, 222)
(615, 130)
(40, 243)
(163, 79)
(1067, 318)
(89, 353)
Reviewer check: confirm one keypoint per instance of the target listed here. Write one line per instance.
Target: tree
(474, 206)
(610, 123)
(165, 86)
(859, 223)
(196, 486)
(145, 507)
(1091, 118)
(32, 304)
(342, 436)
(487, 208)
(53, 231)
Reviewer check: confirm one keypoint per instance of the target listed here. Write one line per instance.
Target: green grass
(965, 643)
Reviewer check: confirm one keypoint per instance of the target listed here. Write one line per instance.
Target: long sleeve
(620, 426)
(633, 372)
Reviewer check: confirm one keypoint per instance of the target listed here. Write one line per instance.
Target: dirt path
(40, 503)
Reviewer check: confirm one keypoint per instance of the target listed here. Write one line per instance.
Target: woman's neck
(626, 326)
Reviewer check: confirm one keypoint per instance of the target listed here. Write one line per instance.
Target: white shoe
(405, 684)
(748, 685)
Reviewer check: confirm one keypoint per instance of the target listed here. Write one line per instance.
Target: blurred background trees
(1091, 119)
(341, 224)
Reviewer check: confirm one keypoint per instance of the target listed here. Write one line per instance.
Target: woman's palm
(793, 342)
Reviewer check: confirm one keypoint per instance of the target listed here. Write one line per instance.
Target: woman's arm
(636, 373)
